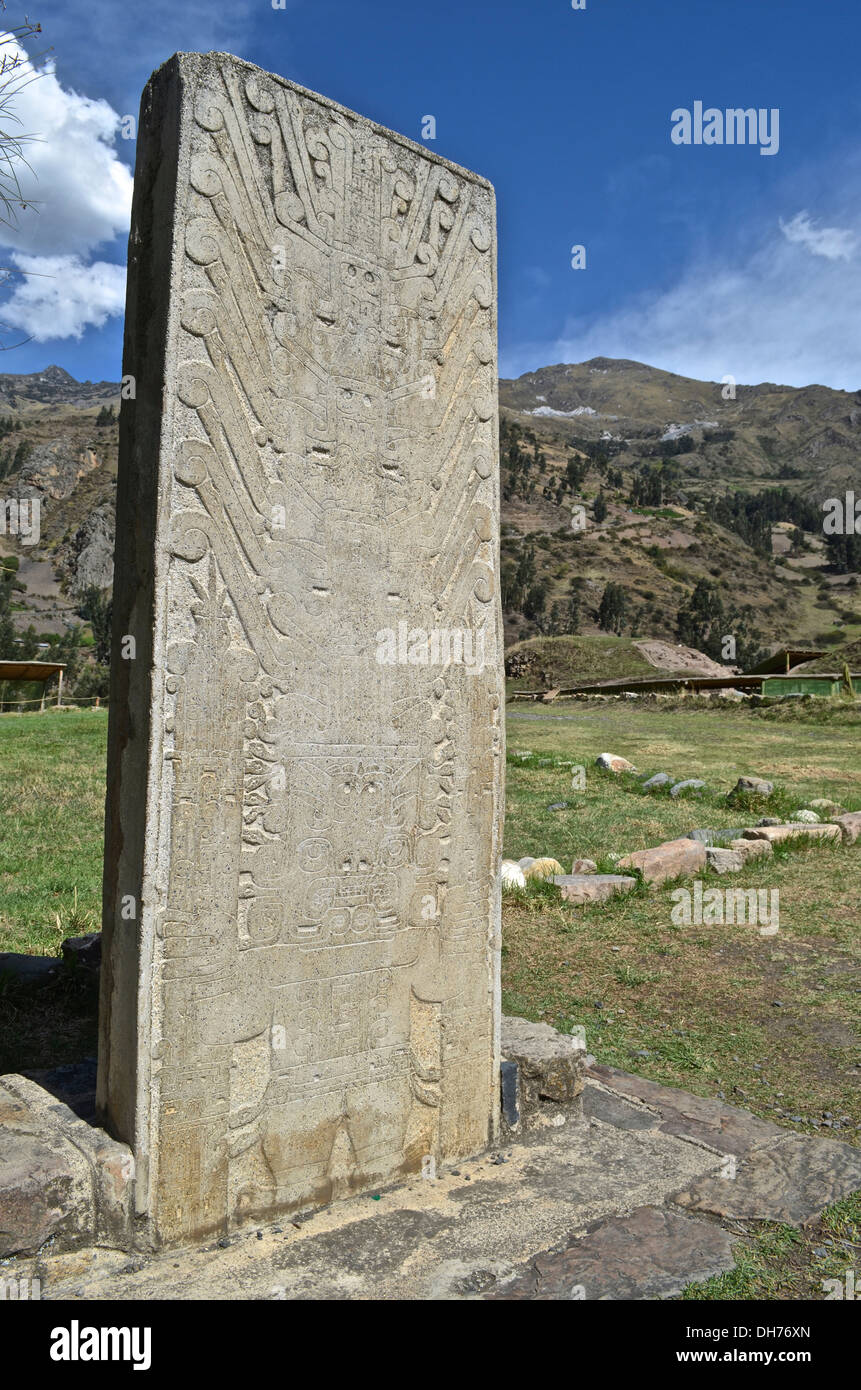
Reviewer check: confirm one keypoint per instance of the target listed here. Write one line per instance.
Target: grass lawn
(769, 1023)
(52, 806)
(52, 793)
(780, 1262)
(806, 758)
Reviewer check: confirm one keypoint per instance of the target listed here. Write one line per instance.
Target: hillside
(847, 654)
(808, 438)
(618, 473)
(34, 393)
(663, 480)
(58, 445)
(544, 662)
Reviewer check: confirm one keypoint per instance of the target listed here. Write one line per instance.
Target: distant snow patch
(567, 414)
(676, 431)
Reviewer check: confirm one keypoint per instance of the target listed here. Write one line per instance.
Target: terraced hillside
(701, 515)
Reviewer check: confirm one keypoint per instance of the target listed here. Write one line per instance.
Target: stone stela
(300, 993)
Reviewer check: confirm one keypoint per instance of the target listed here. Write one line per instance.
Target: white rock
(806, 817)
(544, 868)
(512, 874)
(613, 763)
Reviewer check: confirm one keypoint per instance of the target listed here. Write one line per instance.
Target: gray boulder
(752, 786)
(693, 784)
(715, 837)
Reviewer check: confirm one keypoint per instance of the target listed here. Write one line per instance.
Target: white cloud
(80, 189)
(61, 296)
(78, 193)
(783, 315)
(834, 243)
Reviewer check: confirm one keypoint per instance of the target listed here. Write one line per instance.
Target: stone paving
(632, 1191)
(767, 1174)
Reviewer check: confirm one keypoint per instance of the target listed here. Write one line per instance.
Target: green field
(803, 757)
(52, 792)
(52, 806)
(770, 1023)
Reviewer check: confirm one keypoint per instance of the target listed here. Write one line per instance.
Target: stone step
(61, 1179)
(668, 860)
(776, 834)
(651, 1253)
(592, 888)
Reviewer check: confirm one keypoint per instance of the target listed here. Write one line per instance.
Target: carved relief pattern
(328, 862)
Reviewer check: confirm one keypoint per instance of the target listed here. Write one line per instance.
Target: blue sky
(703, 259)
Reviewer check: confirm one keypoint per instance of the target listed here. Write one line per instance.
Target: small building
(783, 660)
(25, 672)
(826, 683)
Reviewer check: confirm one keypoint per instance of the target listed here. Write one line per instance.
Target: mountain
(31, 393)
(662, 476)
(806, 437)
(694, 487)
(58, 443)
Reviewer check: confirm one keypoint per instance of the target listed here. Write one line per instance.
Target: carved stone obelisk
(301, 931)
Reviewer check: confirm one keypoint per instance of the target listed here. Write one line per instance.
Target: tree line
(83, 678)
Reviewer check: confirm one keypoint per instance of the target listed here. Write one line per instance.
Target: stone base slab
(460, 1235)
(550, 1065)
(592, 888)
(775, 834)
(666, 861)
(635, 1193)
(61, 1179)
